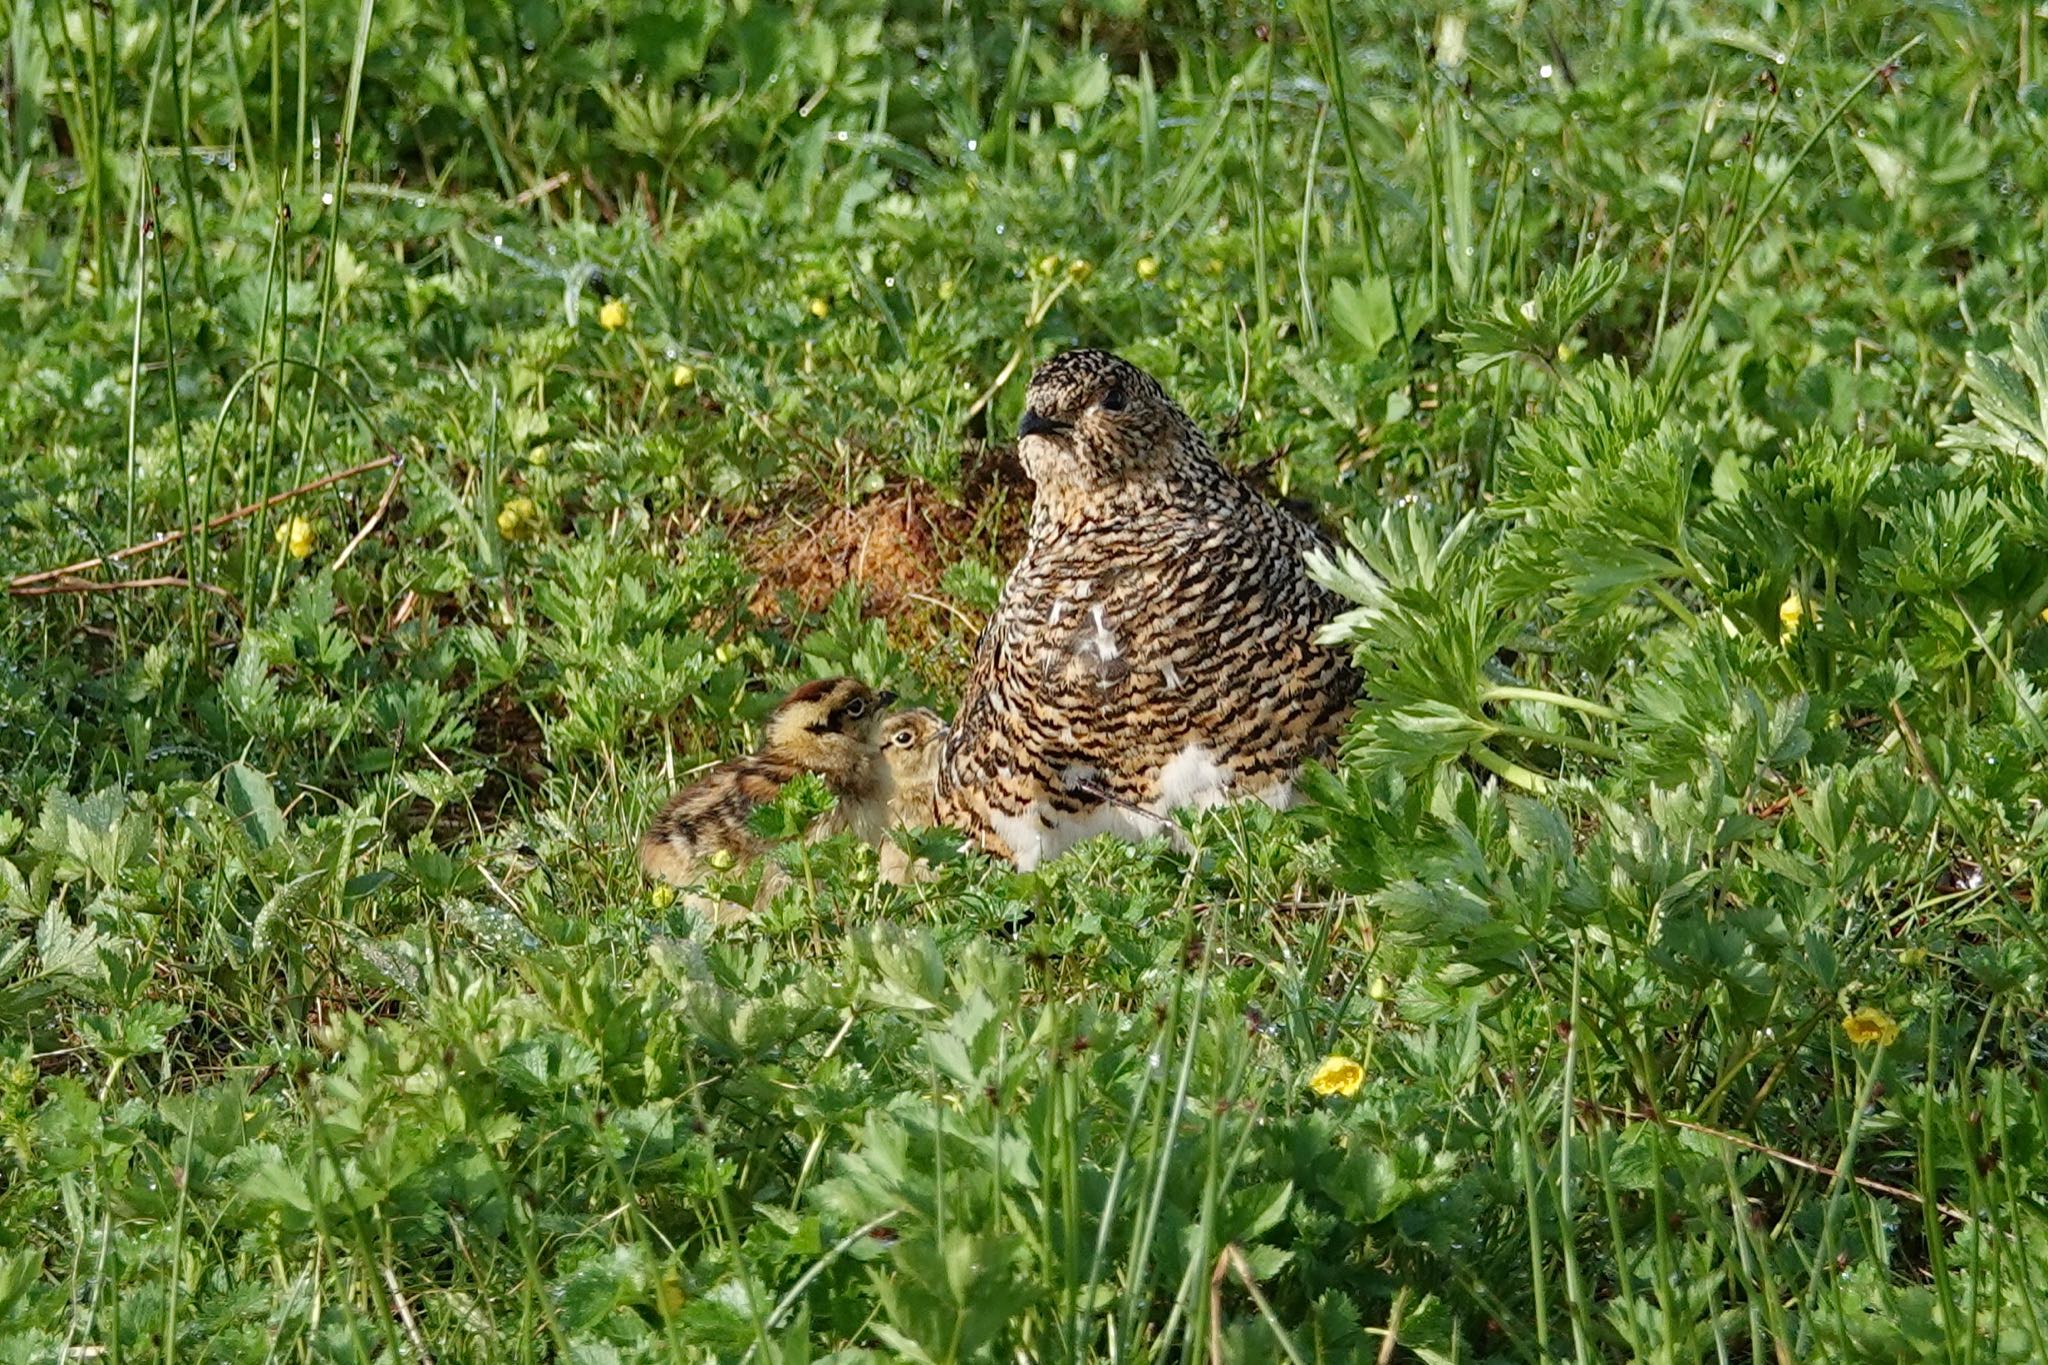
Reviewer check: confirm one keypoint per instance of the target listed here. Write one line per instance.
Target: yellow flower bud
(519, 519)
(612, 316)
(1048, 265)
(297, 536)
(1336, 1075)
(1148, 267)
(821, 307)
(1792, 614)
(1079, 269)
(947, 288)
(682, 376)
(663, 896)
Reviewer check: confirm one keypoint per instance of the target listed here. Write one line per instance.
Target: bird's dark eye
(856, 708)
(1113, 401)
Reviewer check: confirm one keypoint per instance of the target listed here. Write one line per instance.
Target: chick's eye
(856, 708)
(1113, 401)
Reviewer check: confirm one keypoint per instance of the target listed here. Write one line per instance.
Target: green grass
(336, 1023)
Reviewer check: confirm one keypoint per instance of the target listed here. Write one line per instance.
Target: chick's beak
(1036, 423)
(883, 698)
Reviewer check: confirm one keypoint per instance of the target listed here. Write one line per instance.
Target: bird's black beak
(883, 698)
(1036, 423)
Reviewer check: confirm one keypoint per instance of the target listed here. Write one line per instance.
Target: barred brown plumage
(1154, 648)
(828, 727)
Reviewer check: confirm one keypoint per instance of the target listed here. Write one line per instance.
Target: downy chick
(829, 727)
(910, 743)
(911, 740)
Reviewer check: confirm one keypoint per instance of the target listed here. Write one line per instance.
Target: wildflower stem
(1538, 694)
(1668, 600)
(1508, 771)
(1536, 736)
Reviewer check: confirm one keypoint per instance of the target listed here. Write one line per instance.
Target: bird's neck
(1071, 506)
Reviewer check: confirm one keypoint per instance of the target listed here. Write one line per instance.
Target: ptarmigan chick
(1155, 648)
(829, 727)
(911, 740)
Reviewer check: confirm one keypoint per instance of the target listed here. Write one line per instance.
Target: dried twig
(16, 585)
(1231, 1261)
(545, 187)
(405, 1317)
(71, 583)
(376, 515)
(1751, 1144)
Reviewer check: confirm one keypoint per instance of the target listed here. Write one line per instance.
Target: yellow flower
(820, 307)
(1079, 269)
(519, 519)
(1870, 1025)
(1215, 265)
(1792, 614)
(1912, 959)
(1048, 265)
(612, 316)
(1148, 267)
(297, 536)
(539, 456)
(663, 895)
(1336, 1075)
(948, 287)
(683, 376)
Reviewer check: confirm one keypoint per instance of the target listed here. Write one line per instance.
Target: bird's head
(1093, 420)
(911, 741)
(829, 726)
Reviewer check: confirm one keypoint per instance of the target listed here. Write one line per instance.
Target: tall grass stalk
(1740, 236)
(1331, 52)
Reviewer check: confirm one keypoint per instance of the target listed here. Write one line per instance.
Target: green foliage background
(1675, 375)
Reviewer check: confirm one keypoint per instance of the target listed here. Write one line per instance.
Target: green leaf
(1364, 312)
(65, 949)
(1894, 173)
(249, 796)
(1535, 327)
(2008, 400)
